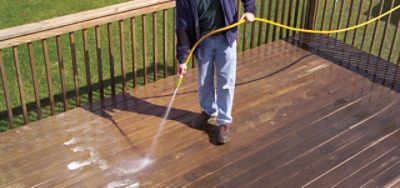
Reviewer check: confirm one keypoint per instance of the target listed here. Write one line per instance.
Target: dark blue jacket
(187, 23)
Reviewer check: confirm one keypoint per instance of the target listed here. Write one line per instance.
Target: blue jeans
(219, 58)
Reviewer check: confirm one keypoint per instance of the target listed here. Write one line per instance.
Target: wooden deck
(300, 120)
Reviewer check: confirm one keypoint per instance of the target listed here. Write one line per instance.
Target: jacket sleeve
(182, 29)
(249, 6)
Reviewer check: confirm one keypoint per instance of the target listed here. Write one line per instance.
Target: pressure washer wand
(179, 82)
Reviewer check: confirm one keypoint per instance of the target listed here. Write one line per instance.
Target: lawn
(19, 12)
(14, 13)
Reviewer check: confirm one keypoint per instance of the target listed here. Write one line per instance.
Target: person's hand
(182, 69)
(248, 17)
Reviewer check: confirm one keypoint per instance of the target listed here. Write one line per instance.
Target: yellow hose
(180, 79)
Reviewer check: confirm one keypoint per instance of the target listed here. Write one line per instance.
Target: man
(215, 55)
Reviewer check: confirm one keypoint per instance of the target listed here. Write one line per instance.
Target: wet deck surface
(299, 120)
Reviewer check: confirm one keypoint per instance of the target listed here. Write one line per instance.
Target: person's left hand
(248, 16)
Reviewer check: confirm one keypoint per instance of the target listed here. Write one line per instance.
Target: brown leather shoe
(224, 135)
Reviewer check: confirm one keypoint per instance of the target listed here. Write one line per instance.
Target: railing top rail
(73, 19)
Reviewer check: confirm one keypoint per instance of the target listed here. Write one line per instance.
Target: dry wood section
(299, 120)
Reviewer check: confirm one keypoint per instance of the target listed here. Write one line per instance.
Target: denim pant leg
(225, 62)
(205, 68)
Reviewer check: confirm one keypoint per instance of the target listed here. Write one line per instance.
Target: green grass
(12, 17)
(18, 12)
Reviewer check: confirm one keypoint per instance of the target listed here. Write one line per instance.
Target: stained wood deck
(300, 120)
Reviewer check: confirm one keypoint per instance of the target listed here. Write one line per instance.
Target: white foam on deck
(78, 164)
(124, 183)
(78, 149)
(71, 141)
(93, 159)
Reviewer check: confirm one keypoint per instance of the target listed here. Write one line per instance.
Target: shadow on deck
(299, 120)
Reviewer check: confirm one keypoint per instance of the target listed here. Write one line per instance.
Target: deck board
(299, 120)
